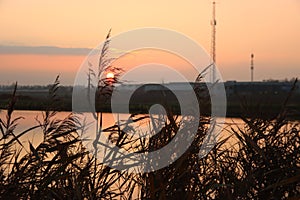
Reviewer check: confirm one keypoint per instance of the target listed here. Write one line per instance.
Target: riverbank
(259, 99)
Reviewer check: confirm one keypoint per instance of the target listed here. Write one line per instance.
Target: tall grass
(57, 168)
(263, 163)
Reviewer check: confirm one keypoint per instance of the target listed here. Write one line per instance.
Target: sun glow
(110, 75)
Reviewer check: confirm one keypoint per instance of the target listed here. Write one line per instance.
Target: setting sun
(110, 75)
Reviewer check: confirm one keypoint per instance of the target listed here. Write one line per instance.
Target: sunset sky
(270, 29)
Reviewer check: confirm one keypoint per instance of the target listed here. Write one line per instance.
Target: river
(30, 118)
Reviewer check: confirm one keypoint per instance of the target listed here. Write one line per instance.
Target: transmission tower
(252, 66)
(213, 43)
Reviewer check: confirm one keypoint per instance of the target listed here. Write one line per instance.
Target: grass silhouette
(263, 163)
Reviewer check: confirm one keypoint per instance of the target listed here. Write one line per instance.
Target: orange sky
(270, 29)
(38, 69)
(156, 59)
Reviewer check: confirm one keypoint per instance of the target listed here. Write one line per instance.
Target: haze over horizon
(40, 40)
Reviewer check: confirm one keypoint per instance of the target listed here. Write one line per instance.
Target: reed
(263, 163)
(57, 168)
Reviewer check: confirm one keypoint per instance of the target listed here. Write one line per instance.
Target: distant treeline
(32, 87)
(247, 98)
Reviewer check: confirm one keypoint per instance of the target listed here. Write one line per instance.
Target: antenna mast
(213, 42)
(252, 66)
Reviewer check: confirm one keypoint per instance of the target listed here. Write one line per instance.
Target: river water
(30, 118)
